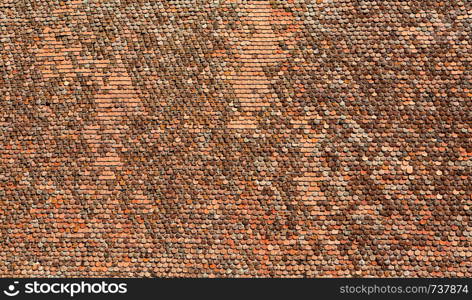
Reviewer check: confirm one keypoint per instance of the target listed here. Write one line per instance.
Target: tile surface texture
(235, 138)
